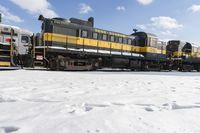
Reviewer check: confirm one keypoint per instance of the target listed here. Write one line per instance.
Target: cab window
(104, 37)
(120, 40)
(129, 41)
(84, 33)
(95, 35)
(112, 38)
(25, 39)
(125, 40)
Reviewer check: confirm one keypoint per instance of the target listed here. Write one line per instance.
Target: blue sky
(168, 19)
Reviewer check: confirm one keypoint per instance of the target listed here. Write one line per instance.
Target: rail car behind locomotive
(73, 44)
(183, 55)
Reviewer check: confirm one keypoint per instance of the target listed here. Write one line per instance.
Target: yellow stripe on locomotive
(66, 39)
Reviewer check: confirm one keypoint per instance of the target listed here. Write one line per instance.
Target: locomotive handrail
(121, 49)
(44, 53)
(83, 45)
(66, 39)
(98, 46)
(33, 50)
(12, 47)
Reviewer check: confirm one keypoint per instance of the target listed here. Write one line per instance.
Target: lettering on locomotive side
(66, 21)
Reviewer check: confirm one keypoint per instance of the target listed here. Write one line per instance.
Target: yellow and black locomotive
(76, 45)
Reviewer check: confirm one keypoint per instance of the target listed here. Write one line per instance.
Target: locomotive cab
(177, 49)
(151, 47)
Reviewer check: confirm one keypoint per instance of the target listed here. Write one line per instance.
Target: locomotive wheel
(53, 64)
(198, 69)
(144, 66)
(57, 63)
(60, 63)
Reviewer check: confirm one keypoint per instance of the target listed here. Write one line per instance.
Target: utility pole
(0, 17)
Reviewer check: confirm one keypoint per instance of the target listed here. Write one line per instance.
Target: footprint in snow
(149, 83)
(8, 129)
(175, 106)
(197, 88)
(96, 105)
(97, 131)
(165, 104)
(149, 109)
(118, 104)
(66, 91)
(34, 89)
(4, 100)
(88, 108)
(173, 90)
(96, 88)
(83, 108)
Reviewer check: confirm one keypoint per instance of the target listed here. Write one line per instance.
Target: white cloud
(163, 26)
(164, 22)
(120, 8)
(168, 33)
(9, 16)
(145, 2)
(141, 26)
(195, 8)
(36, 7)
(85, 9)
(161, 23)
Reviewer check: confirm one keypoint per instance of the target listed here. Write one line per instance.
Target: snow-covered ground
(99, 102)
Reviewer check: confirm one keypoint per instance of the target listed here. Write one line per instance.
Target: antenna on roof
(135, 30)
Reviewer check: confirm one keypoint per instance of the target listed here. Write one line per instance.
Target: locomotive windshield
(173, 46)
(47, 26)
(140, 40)
(187, 48)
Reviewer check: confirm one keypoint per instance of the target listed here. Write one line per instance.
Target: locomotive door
(23, 45)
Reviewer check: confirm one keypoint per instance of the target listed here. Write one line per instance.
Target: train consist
(74, 44)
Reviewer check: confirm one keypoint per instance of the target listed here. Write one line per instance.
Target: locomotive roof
(63, 21)
(112, 33)
(183, 43)
(145, 34)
